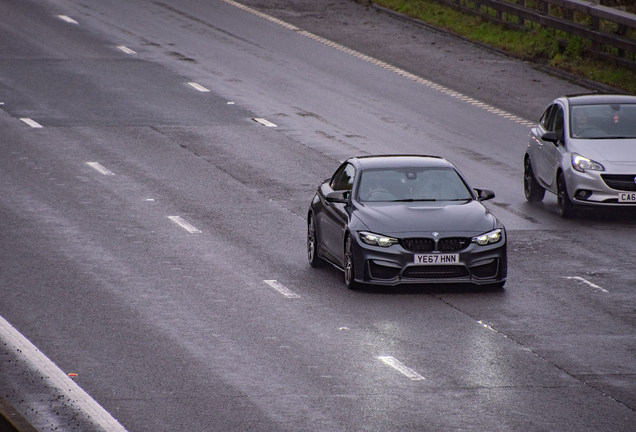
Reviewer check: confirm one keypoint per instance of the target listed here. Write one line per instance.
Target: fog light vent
(582, 194)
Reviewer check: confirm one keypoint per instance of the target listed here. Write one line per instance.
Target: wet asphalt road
(144, 222)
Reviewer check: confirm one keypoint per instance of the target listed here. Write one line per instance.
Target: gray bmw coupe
(396, 219)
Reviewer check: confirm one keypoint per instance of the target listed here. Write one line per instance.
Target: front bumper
(395, 265)
(589, 188)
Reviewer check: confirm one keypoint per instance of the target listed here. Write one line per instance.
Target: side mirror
(550, 137)
(484, 194)
(341, 196)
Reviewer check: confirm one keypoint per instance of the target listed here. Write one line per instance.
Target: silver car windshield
(412, 184)
(605, 121)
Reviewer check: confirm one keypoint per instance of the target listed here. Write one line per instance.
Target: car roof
(599, 99)
(399, 161)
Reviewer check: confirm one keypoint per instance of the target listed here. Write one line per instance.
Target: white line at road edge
(281, 289)
(100, 168)
(397, 365)
(31, 122)
(580, 279)
(387, 66)
(183, 224)
(58, 379)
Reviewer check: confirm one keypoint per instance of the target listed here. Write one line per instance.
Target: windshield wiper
(413, 200)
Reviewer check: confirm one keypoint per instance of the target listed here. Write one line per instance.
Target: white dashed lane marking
(31, 123)
(67, 19)
(586, 282)
(126, 49)
(97, 166)
(265, 122)
(398, 366)
(198, 87)
(281, 289)
(183, 224)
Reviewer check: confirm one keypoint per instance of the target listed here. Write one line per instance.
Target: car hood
(614, 150)
(422, 218)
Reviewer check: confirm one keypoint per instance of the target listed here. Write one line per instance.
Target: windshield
(603, 121)
(412, 184)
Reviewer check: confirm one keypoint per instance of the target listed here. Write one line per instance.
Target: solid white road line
(580, 279)
(183, 224)
(100, 168)
(198, 87)
(67, 19)
(56, 378)
(281, 289)
(398, 366)
(126, 49)
(264, 122)
(31, 123)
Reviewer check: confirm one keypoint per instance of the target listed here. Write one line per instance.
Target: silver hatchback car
(584, 151)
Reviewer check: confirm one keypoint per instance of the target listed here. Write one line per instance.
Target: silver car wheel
(566, 208)
(531, 188)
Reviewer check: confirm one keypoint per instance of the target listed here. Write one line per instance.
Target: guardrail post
(521, 3)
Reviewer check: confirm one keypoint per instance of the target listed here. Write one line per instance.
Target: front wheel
(312, 245)
(349, 267)
(531, 188)
(566, 208)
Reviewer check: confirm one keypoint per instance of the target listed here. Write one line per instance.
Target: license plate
(627, 197)
(437, 259)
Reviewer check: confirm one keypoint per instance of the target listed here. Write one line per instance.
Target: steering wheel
(589, 131)
(379, 190)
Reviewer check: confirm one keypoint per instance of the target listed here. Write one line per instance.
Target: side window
(558, 122)
(343, 178)
(550, 123)
(544, 122)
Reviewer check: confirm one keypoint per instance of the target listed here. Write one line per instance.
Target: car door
(335, 217)
(549, 152)
(536, 143)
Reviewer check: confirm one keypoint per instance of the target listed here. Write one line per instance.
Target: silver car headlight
(377, 239)
(488, 238)
(581, 164)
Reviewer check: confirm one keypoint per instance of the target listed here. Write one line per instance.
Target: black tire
(312, 245)
(565, 206)
(533, 191)
(349, 267)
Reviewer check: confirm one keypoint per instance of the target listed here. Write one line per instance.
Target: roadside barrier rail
(611, 30)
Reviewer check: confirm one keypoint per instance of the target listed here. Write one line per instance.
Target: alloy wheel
(531, 188)
(349, 268)
(566, 208)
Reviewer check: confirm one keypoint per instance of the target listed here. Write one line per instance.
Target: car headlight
(488, 238)
(377, 240)
(581, 164)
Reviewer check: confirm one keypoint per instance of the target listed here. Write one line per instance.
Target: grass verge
(539, 45)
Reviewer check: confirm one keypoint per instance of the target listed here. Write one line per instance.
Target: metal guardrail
(606, 27)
